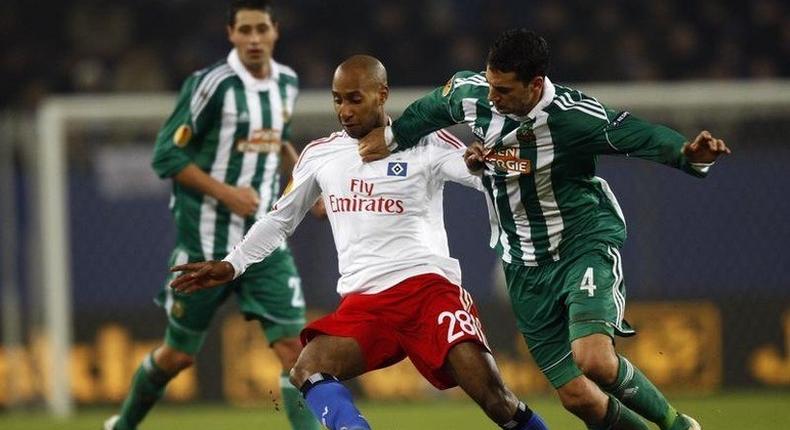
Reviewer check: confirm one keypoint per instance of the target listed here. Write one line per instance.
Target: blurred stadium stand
(151, 45)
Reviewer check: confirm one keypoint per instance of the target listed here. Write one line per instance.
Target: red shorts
(422, 317)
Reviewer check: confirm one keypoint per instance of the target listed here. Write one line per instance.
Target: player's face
(510, 95)
(254, 35)
(359, 103)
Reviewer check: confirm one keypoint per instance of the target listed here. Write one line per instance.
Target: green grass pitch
(736, 411)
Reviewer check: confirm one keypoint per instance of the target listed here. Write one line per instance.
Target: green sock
(148, 386)
(299, 415)
(637, 392)
(619, 417)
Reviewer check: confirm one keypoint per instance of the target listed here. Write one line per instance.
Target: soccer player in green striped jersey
(225, 146)
(557, 226)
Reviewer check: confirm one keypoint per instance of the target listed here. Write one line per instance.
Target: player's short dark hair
(237, 5)
(521, 51)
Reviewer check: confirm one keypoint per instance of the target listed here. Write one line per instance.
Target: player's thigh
(433, 319)
(357, 319)
(188, 315)
(271, 292)
(341, 357)
(596, 294)
(536, 295)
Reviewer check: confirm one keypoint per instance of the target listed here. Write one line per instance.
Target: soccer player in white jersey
(395, 303)
(225, 146)
(557, 226)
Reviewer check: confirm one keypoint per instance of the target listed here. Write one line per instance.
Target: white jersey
(386, 216)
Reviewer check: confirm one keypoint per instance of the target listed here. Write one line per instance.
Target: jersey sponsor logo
(479, 133)
(507, 160)
(363, 200)
(397, 168)
(244, 116)
(261, 140)
(182, 136)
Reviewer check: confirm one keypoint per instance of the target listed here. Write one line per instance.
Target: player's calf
(330, 401)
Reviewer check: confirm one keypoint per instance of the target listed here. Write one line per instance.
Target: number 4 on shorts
(588, 282)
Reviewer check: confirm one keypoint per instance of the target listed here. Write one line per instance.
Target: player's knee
(596, 358)
(302, 370)
(173, 361)
(287, 351)
(297, 377)
(579, 398)
(600, 366)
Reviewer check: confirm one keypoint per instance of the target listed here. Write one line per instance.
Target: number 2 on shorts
(588, 282)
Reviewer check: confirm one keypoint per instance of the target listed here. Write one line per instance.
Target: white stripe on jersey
(498, 234)
(519, 213)
(581, 107)
(517, 209)
(249, 162)
(607, 190)
(617, 296)
(206, 88)
(475, 80)
(543, 184)
(494, 129)
(470, 109)
(208, 210)
(589, 104)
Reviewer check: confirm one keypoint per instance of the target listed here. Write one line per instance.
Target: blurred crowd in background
(152, 45)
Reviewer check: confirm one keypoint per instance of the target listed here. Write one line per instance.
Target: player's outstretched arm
(201, 275)
(705, 148)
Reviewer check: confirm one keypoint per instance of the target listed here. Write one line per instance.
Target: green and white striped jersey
(544, 199)
(231, 125)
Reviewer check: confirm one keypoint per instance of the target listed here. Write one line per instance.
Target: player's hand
(205, 274)
(475, 156)
(319, 209)
(373, 146)
(243, 201)
(705, 148)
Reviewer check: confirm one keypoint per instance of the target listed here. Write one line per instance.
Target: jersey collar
(545, 100)
(251, 82)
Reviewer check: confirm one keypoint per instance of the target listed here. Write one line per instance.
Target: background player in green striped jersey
(555, 224)
(225, 146)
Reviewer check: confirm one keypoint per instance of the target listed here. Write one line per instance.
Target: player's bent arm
(441, 108)
(178, 139)
(654, 142)
(288, 157)
(193, 177)
(623, 133)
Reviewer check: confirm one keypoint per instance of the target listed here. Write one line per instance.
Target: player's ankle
(524, 419)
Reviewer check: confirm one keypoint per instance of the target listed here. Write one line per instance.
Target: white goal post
(56, 113)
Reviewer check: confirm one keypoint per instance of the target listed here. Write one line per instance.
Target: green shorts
(566, 300)
(269, 291)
